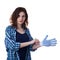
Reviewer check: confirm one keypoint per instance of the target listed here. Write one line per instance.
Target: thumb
(46, 37)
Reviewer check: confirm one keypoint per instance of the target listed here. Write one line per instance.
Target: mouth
(20, 21)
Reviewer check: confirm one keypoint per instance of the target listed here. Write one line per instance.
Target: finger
(46, 37)
(53, 44)
(53, 39)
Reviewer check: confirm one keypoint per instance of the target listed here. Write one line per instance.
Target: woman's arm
(12, 44)
(26, 43)
(9, 42)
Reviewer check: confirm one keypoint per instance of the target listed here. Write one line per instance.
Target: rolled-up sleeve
(10, 43)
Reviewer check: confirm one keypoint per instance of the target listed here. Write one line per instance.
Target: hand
(50, 42)
(36, 44)
(37, 41)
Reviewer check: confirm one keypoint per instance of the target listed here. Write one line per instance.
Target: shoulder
(29, 34)
(9, 28)
(27, 30)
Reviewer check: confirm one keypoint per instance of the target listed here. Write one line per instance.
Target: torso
(22, 38)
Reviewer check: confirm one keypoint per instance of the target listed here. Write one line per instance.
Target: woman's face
(21, 18)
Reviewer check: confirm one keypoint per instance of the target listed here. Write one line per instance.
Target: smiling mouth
(20, 21)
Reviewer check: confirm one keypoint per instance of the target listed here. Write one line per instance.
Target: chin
(20, 23)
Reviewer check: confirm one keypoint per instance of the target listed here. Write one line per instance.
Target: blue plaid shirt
(12, 46)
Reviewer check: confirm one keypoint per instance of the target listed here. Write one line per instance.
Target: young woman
(18, 40)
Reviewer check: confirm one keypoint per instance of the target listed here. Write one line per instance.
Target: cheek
(23, 19)
(18, 20)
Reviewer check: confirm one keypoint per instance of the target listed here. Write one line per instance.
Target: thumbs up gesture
(49, 42)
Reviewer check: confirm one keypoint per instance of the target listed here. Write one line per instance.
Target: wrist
(32, 42)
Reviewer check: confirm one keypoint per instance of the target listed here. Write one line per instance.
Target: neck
(20, 29)
(19, 26)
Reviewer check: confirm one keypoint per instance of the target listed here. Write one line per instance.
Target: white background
(44, 16)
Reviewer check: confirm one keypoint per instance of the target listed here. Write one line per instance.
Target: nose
(20, 18)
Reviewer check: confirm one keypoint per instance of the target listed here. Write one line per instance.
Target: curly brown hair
(15, 15)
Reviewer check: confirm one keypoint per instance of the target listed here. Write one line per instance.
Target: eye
(23, 16)
(18, 15)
